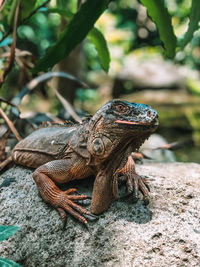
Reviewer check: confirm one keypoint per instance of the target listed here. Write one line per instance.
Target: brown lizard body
(100, 146)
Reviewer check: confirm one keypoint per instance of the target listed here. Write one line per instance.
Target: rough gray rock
(166, 233)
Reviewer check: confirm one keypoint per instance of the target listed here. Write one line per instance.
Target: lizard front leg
(134, 182)
(105, 191)
(61, 171)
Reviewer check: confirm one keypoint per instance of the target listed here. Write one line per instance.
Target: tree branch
(11, 59)
(2, 4)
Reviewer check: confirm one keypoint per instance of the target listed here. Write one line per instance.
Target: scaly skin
(102, 146)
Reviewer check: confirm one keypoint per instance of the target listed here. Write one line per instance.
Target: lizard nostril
(148, 113)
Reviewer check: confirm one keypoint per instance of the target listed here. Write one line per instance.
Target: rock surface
(166, 233)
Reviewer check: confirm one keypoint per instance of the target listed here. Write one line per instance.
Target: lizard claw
(86, 215)
(134, 182)
(63, 216)
(91, 217)
(138, 184)
(64, 202)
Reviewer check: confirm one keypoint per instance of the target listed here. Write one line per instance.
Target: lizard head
(134, 116)
(121, 122)
(121, 114)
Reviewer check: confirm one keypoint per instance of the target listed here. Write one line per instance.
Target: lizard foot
(65, 202)
(134, 182)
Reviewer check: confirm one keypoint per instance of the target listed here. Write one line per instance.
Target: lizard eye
(122, 109)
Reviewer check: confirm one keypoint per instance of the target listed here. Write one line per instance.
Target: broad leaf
(27, 7)
(193, 24)
(11, 14)
(8, 263)
(82, 22)
(100, 44)
(160, 15)
(7, 230)
(65, 13)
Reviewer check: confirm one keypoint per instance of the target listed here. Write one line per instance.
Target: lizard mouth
(140, 126)
(136, 123)
(132, 122)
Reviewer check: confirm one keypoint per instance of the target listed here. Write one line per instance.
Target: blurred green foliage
(39, 32)
(125, 26)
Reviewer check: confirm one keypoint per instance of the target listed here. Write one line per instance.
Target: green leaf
(11, 14)
(8, 263)
(100, 44)
(27, 7)
(7, 230)
(193, 24)
(82, 22)
(160, 15)
(65, 13)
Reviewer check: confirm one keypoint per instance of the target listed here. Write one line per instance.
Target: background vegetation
(93, 40)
